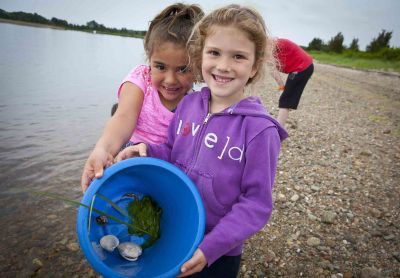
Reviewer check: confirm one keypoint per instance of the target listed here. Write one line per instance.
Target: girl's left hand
(195, 264)
(132, 151)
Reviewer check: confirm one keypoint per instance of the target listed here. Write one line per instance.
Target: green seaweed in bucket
(146, 215)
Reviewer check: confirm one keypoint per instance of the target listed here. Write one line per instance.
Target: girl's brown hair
(245, 19)
(174, 24)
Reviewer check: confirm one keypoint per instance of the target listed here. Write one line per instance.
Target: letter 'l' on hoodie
(232, 158)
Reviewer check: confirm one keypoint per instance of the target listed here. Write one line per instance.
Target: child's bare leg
(283, 115)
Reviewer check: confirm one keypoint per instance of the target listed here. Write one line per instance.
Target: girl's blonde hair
(173, 24)
(245, 19)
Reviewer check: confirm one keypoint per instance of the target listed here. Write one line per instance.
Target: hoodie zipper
(206, 118)
(201, 133)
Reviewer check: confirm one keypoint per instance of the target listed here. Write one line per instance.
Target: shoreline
(39, 25)
(24, 23)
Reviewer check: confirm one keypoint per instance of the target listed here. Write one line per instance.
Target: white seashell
(109, 242)
(130, 250)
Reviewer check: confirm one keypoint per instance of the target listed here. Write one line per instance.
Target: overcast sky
(298, 20)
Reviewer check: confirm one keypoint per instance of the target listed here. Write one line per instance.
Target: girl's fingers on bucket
(126, 153)
(98, 169)
(87, 177)
(121, 155)
(110, 160)
(142, 150)
(85, 182)
(195, 264)
(131, 152)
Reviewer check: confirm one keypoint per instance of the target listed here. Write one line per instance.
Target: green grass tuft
(357, 61)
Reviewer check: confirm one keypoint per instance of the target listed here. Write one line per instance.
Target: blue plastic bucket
(182, 221)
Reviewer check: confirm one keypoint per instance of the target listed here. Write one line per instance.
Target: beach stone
(315, 188)
(375, 212)
(281, 198)
(396, 255)
(36, 265)
(389, 237)
(294, 198)
(328, 217)
(73, 246)
(270, 256)
(311, 217)
(313, 241)
(348, 275)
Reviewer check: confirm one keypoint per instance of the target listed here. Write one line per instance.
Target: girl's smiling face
(228, 60)
(169, 73)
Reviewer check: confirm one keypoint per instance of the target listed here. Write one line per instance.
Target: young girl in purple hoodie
(224, 141)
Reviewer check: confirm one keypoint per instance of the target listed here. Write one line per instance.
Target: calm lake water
(57, 89)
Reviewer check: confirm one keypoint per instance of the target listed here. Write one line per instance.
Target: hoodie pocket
(205, 184)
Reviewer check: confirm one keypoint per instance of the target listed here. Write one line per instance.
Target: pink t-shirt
(154, 118)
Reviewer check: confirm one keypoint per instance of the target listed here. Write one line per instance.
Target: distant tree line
(90, 26)
(379, 47)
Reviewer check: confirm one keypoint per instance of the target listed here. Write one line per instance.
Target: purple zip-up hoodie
(232, 158)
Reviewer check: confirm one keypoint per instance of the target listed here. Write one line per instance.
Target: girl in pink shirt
(149, 94)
